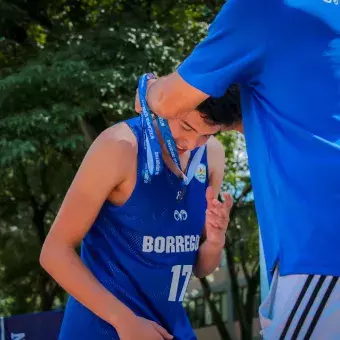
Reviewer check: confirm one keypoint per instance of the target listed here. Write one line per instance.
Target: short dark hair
(225, 110)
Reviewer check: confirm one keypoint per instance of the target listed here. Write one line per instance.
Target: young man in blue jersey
(285, 54)
(140, 241)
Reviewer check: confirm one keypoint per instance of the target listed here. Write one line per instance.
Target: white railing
(2, 328)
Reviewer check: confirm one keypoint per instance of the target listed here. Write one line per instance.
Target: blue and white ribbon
(154, 163)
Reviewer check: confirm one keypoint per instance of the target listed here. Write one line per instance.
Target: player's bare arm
(104, 169)
(217, 214)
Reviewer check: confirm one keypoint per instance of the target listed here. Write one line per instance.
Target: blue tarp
(38, 326)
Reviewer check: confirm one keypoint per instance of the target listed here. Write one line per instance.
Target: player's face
(191, 131)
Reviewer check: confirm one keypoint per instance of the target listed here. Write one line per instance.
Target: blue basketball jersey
(144, 251)
(285, 54)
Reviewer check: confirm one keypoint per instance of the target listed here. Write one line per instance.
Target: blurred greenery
(68, 70)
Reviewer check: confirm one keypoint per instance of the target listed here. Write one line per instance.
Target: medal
(153, 162)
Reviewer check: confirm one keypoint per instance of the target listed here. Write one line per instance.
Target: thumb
(228, 201)
(162, 331)
(209, 195)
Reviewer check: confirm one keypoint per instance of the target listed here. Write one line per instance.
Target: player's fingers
(212, 225)
(220, 220)
(162, 331)
(215, 220)
(220, 209)
(209, 195)
(221, 212)
(228, 201)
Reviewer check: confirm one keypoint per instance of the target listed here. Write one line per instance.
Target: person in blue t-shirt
(141, 241)
(285, 55)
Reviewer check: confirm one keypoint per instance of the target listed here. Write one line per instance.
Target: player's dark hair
(224, 110)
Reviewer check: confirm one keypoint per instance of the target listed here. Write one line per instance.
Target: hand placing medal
(153, 163)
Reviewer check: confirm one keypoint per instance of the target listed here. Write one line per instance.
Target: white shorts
(301, 307)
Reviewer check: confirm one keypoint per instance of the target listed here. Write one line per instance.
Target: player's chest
(163, 212)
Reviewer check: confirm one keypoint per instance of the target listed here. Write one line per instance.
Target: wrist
(215, 245)
(121, 317)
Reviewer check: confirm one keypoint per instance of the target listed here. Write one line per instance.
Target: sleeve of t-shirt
(232, 51)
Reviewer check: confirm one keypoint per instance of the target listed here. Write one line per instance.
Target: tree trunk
(38, 221)
(92, 127)
(216, 315)
(149, 10)
(246, 331)
(251, 294)
(48, 289)
(234, 285)
(46, 285)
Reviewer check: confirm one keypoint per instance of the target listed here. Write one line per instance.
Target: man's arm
(172, 95)
(231, 53)
(210, 251)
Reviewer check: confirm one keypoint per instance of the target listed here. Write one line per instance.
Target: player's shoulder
(118, 136)
(116, 147)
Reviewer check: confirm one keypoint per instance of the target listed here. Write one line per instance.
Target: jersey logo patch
(201, 173)
(180, 215)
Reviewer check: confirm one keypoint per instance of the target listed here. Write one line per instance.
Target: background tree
(68, 70)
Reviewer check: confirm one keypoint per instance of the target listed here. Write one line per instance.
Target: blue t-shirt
(286, 57)
(144, 251)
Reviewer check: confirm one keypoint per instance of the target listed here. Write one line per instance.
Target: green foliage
(243, 229)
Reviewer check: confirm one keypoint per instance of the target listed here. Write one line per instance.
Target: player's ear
(235, 127)
(226, 128)
(239, 127)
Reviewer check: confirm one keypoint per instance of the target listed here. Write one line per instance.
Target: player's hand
(142, 329)
(217, 217)
(138, 107)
